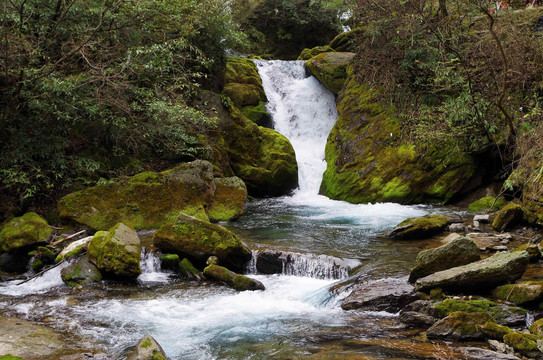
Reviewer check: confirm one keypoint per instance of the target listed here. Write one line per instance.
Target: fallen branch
(67, 238)
(41, 272)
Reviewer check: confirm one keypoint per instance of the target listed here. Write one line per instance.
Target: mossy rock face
(261, 157)
(520, 293)
(117, 252)
(502, 314)
(459, 325)
(419, 228)
(367, 161)
(229, 199)
(243, 94)
(487, 203)
(307, 53)
(345, 41)
(330, 69)
(238, 282)
(458, 252)
(22, 231)
(500, 268)
(537, 327)
(525, 177)
(198, 240)
(258, 114)
(242, 71)
(147, 349)
(509, 216)
(145, 201)
(186, 268)
(523, 343)
(169, 262)
(82, 272)
(491, 330)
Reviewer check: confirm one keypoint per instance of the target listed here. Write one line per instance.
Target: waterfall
(304, 111)
(150, 269)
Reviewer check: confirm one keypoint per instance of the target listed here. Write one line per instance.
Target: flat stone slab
(380, 295)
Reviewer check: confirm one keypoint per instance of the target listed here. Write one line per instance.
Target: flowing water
(318, 242)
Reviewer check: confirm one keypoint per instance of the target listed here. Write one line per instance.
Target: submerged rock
(457, 252)
(199, 239)
(82, 272)
(117, 252)
(459, 325)
(22, 231)
(147, 349)
(503, 267)
(145, 201)
(381, 295)
(419, 228)
(237, 281)
(508, 217)
(228, 200)
(330, 69)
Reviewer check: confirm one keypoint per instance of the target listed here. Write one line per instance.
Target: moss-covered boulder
(187, 269)
(147, 349)
(459, 325)
(145, 201)
(238, 282)
(537, 327)
(243, 94)
(509, 216)
(501, 313)
(368, 161)
(228, 200)
(73, 249)
(258, 114)
(491, 330)
(307, 53)
(330, 69)
(40, 257)
(523, 293)
(116, 252)
(345, 41)
(526, 344)
(22, 231)
(458, 252)
(419, 228)
(500, 268)
(82, 272)
(534, 252)
(198, 240)
(487, 203)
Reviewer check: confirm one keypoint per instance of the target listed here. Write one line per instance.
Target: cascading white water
(304, 112)
(151, 272)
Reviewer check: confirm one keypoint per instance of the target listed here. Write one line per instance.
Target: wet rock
(534, 252)
(508, 217)
(453, 218)
(22, 231)
(474, 353)
(330, 69)
(82, 272)
(419, 228)
(502, 267)
(228, 200)
(380, 295)
(147, 349)
(169, 262)
(523, 293)
(187, 269)
(450, 238)
(458, 252)
(501, 347)
(420, 313)
(525, 344)
(30, 341)
(238, 282)
(537, 327)
(457, 228)
(269, 262)
(73, 249)
(198, 240)
(486, 241)
(145, 201)
(459, 325)
(14, 262)
(482, 218)
(116, 252)
(491, 330)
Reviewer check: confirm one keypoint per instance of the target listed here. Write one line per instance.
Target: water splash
(151, 272)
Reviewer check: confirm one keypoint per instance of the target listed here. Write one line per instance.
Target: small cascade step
(298, 264)
(151, 272)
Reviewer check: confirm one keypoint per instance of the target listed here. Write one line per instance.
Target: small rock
(508, 217)
(238, 282)
(501, 347)
(482, 218)
(457, 228)
(419, 228)
(147, 349)
(82, 272)
(476, 225)
(475, 353)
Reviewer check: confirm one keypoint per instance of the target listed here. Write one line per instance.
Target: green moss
(449, 306)
(521, 342)
(229, 199)
(537, 327)
(146, 343)
(487, 203)
(425, 226)
(10, 357)
(257, 113)
(75, 252)
(307, 54)
(330, 69)
(243, 94)
(510, 215)
(186, 267)
(37, 265)
(394, 190)
(491, 330)
(22, 231)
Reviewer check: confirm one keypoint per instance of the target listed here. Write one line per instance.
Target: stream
(322, 241)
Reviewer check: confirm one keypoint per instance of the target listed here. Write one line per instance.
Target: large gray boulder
(381, 295)
(117, 252)
(460, 251)
(502, 267)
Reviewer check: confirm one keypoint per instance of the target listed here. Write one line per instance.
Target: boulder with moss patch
(228, 200)
(147, 349)
(526, 344)
(82, 272)
(459, 325)
(116, 252)
(419, 228)
(523, 293)
(487, 203)
(509, 216)
(368, 161)
(537, 327)
(22, 231)
(198, 240)
(331, 69)
(145, 201)
(237, 281)
(491, 330)
(460, 251)
(307, 53)
(502, 267)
